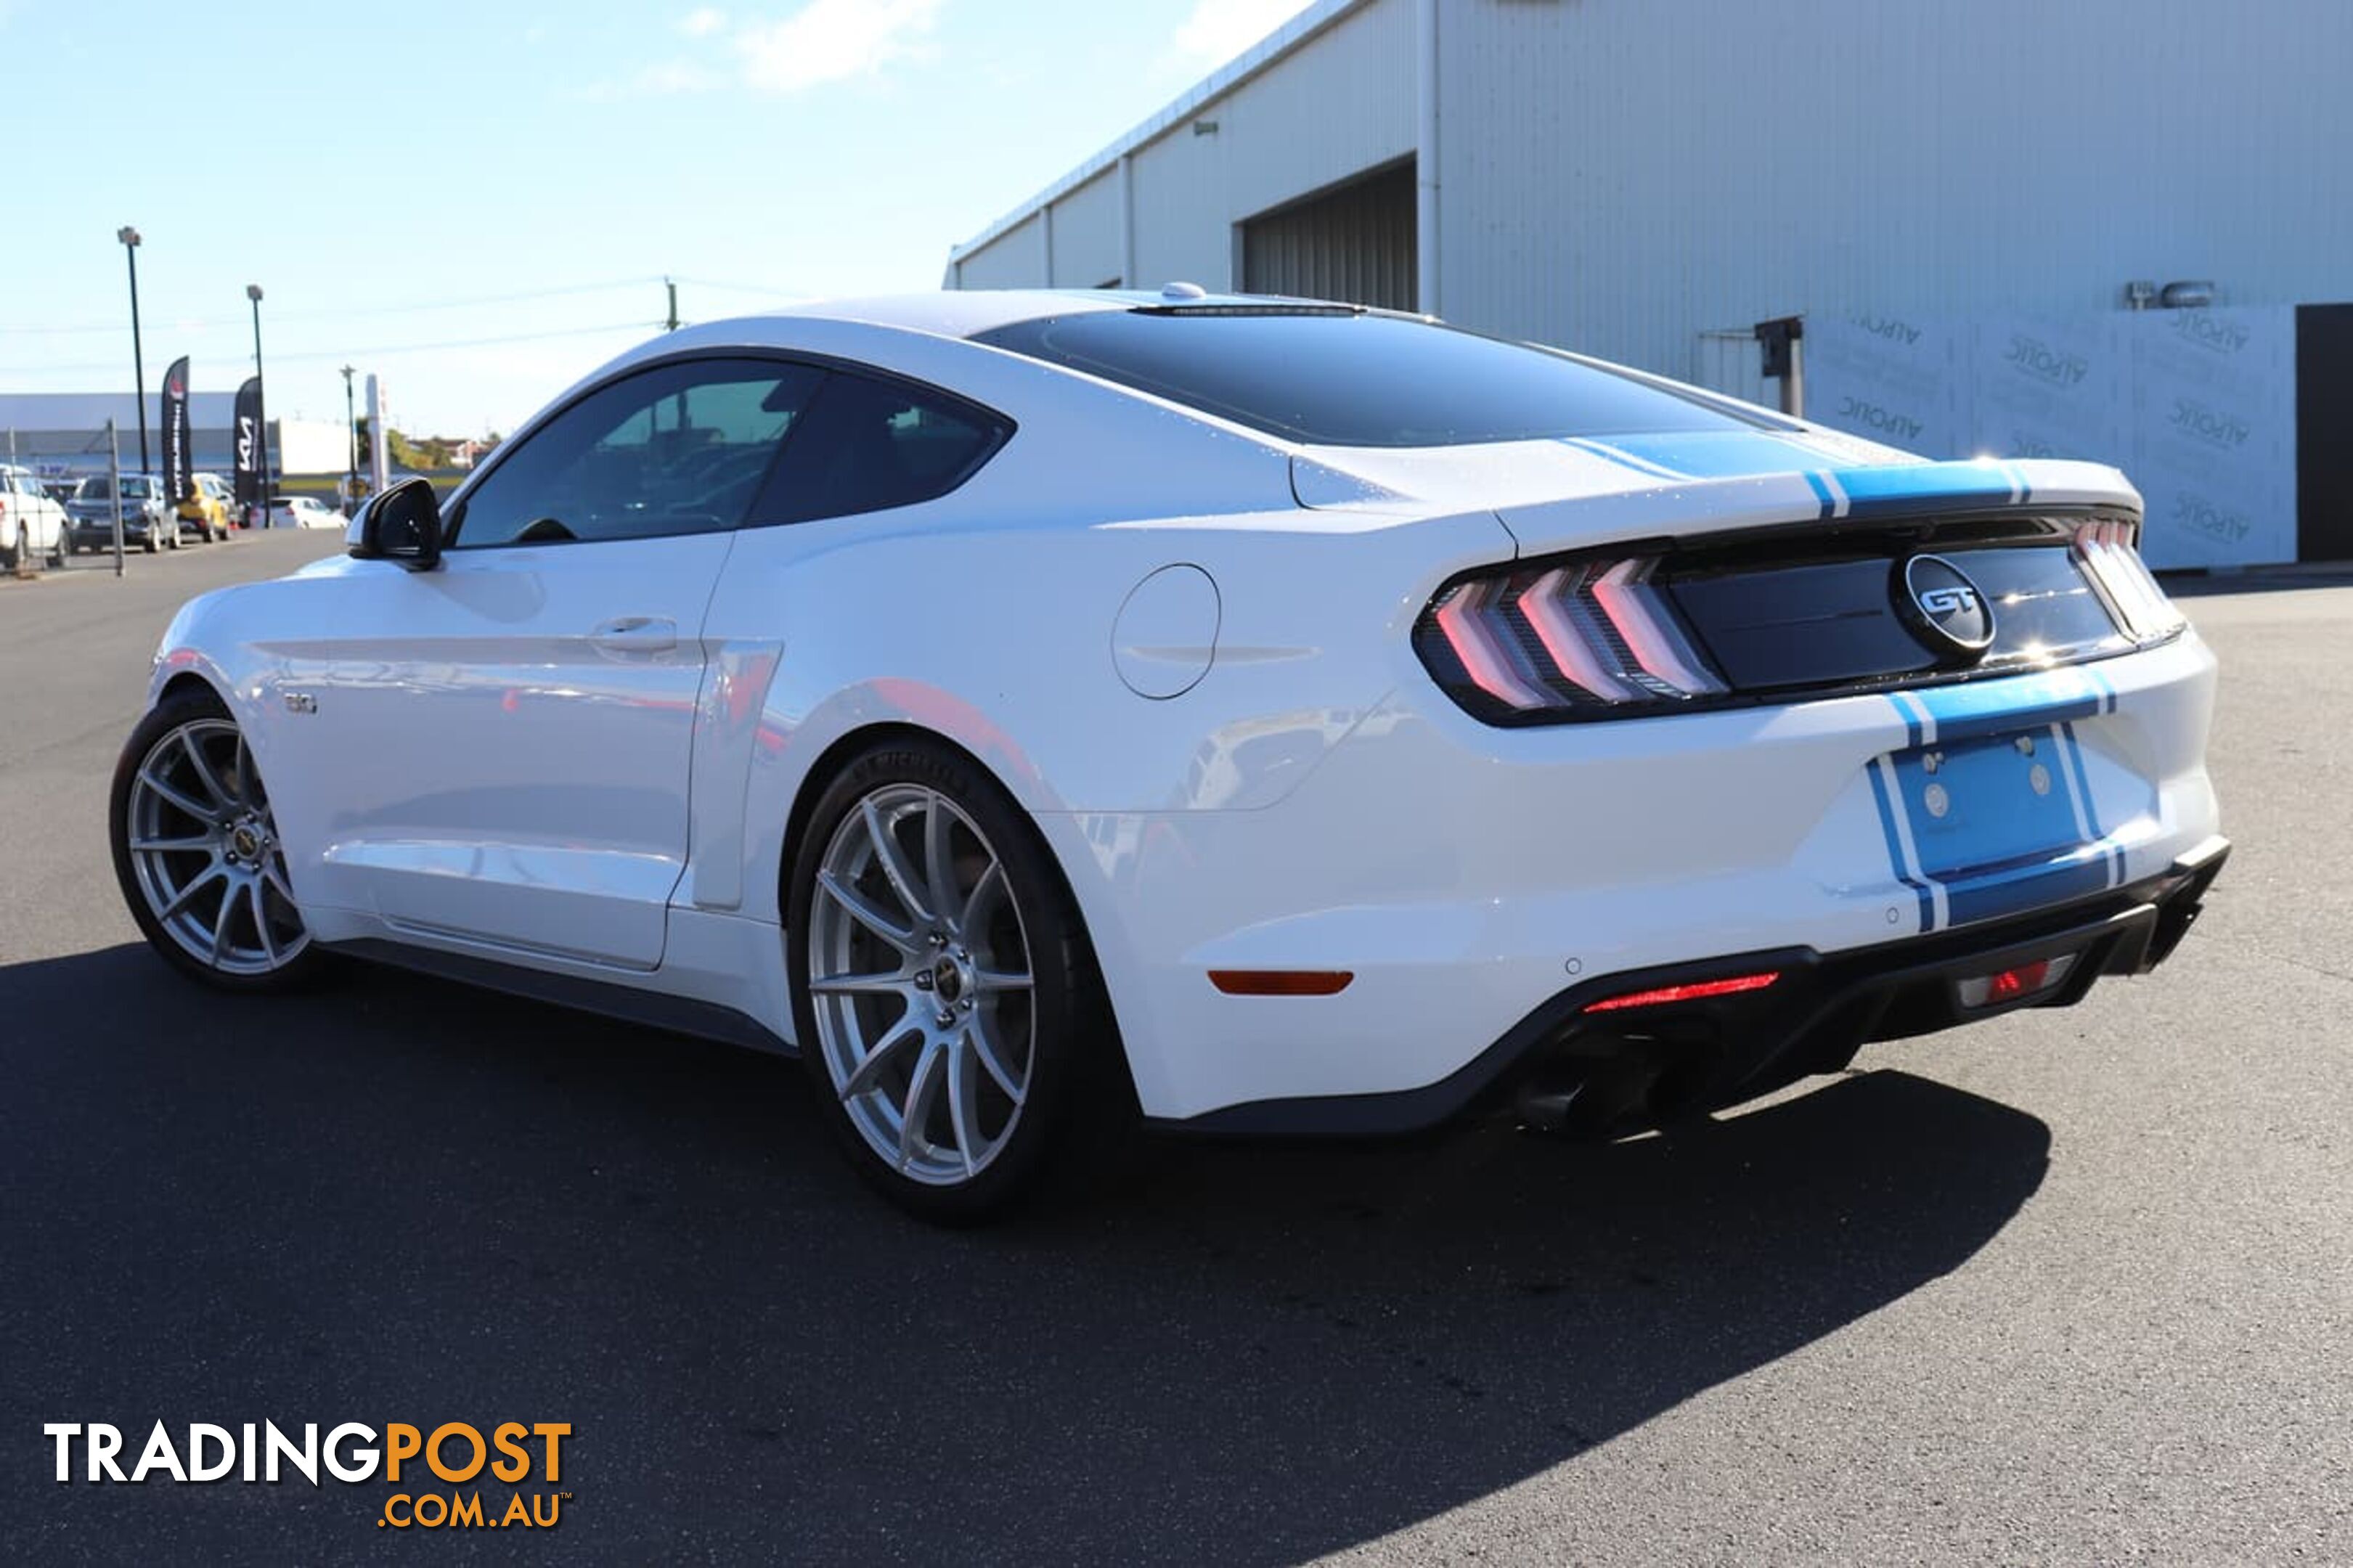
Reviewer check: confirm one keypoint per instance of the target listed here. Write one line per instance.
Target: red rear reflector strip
(1659, 995)
(1281, 982)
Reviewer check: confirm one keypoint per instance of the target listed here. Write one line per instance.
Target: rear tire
(196, 854)
(14, 553)
(951, 1019)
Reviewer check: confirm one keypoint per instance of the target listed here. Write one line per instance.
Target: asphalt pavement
(2067, 1287)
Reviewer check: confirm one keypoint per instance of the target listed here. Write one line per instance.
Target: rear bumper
(1616, 1072)
(1462, 875)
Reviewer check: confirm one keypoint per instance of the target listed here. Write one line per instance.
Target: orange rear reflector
(1281, 982)
(1693, 993)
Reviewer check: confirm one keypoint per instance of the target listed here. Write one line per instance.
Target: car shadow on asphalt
(401, 1199)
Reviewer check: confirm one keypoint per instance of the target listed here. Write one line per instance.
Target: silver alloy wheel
(206, 855)
(918, 981)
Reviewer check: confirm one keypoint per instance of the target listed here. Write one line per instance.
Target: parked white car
(303, 511)
(1038, 708)
(32, 525)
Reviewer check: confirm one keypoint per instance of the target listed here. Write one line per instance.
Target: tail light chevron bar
(2105, 547)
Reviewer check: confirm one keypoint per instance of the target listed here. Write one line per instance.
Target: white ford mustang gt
(1040, 707)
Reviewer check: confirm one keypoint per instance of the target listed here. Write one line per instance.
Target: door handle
(636, 634)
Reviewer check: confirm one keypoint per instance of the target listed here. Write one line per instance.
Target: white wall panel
(1086, 233)
(1014, 259)
(1617, 175)
(1332, 108)
(2197, 406)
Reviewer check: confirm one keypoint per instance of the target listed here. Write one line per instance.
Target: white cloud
(656, 80)
(828, 40)
(702, 21)
(1218, 30)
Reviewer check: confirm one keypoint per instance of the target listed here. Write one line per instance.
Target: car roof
(967, 312)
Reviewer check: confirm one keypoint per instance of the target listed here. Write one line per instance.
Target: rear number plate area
(1980, 804)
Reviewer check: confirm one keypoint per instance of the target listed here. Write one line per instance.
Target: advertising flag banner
(179, 461)
(248, 441)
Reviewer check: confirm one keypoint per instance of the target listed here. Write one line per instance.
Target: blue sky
(545, 163)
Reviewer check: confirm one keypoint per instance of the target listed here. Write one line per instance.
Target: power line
(640, 325)
(517, 297)
(383, 351)
(766, 290)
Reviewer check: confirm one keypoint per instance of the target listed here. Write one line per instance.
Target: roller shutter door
(1354, 242)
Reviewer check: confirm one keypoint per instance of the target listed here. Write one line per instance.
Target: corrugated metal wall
(1338, 107)
(1086, 233)
(1619, 176)
(1356, 243)
(1627, 176)
(1014, 259)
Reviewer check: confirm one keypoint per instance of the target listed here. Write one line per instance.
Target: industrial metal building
(1949, 192)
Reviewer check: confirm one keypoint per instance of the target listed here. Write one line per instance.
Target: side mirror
(401, 523)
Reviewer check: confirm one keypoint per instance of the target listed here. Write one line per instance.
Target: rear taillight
(1592, 638)
(1696, 991)
(2105, 547)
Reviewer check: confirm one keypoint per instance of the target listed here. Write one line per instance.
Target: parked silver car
(148, 518)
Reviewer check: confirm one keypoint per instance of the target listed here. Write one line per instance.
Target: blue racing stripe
(2115, 852)
(1723, 454)
(1903, 487)
(2016, 890)
(1877, 487)
(1903, 704)
(1887, 828)
(2014, 703)
(1611, 453)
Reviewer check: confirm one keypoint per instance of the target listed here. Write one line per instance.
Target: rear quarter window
(869, 444)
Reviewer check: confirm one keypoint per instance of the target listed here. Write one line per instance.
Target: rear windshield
(1344, 379)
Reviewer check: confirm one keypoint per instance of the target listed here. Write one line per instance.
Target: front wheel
(945, 993)
(196, 852)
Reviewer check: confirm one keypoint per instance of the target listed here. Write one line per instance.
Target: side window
(868, 444)
(681, 448)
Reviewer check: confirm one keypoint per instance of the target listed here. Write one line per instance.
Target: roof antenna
(1181, 292)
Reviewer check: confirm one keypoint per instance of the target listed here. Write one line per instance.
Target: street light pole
(260, 401)
(351, 443)
(130, 238)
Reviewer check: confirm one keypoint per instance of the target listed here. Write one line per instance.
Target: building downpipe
(1127, 221)
(1425, 159)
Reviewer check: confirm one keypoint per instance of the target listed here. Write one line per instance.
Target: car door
(50, 527)
(496, 751)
